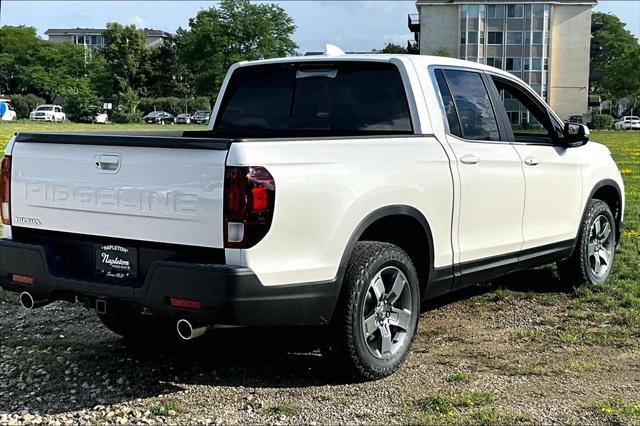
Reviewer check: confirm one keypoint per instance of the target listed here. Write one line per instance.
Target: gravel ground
(58, 365)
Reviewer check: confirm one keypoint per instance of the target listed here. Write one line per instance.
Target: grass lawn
(598, 315)
(7, 129)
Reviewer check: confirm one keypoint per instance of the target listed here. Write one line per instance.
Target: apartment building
(93, 38)
(545, 43)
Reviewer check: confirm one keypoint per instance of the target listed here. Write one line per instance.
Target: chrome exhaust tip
(26, 300)
(186, 330)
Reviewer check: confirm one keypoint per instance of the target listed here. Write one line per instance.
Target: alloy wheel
(600, 247)
(387, 313)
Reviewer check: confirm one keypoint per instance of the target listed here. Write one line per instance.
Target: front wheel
(592, 259)
(376, 319)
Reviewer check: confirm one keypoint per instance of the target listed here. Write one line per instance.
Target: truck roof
(418, 60)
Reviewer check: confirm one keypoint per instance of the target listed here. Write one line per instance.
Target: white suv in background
(48, 113)
(628, 122)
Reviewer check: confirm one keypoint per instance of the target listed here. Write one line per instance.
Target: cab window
(529, 118)
(466, 94)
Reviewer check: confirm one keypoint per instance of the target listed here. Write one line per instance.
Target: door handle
(469, 159)
(531, 161)
(108, 162)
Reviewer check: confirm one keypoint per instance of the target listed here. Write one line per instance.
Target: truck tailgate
(153, 188)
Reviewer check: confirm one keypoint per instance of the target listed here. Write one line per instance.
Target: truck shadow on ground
(93, 367)
(540, 280)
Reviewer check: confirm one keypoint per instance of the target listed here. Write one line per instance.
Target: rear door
(491, 179)
(113, 186)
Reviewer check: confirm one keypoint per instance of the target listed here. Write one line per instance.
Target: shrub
(119, 116)
(601, 121)
(24, 104)
(174, 105)
(79, 101)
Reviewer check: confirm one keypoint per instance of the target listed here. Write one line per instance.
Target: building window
(482, 37)
(546, 37)
(495, 62)
(514, 64)
(536, 64)
(463, 37)
(536, 88)
(537, 37)
(495, 37)
(546, 64)
(514, 117)
(473, 11)
(515, 11)
(80, 39)
(472, 37)
(495, 11)
(514, 37)
(527, 64)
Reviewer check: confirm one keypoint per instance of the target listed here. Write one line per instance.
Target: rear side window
(472, 104)
(348, 98)
(449, 106)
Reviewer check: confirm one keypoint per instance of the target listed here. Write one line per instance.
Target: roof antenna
(332, 50)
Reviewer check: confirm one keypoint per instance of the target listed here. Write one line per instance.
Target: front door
(553, 205)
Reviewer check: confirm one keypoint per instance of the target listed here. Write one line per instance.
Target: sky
(351, 25)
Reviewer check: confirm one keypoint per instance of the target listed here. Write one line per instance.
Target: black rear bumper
(228, 295)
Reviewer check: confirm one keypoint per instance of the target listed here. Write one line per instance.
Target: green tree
(618, 62)
(127, 57)
(169, 76)
(17, 47)
(442, 52)
(78, 98)
(393, 48)
(53, 66)
(234, 31)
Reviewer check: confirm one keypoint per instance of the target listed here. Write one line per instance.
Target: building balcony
(413, 47)
(413, 21)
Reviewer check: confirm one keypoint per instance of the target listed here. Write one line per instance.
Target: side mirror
(574, 135)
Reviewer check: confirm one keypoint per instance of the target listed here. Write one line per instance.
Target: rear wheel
(592, 259)
(376, 319)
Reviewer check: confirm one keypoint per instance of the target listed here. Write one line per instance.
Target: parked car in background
(101, 118)
(201, 117)
(6, 110)
(183, 118)
(575, 119)
(48, 113)
(158, 117)
(628, 122)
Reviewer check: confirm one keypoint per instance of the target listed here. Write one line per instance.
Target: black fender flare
(601, 184)
(392, 210)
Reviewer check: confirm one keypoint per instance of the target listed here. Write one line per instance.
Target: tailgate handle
(108, 162)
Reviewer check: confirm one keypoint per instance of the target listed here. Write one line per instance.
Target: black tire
(578, 269)
(348, 346)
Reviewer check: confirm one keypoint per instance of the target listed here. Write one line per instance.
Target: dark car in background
(201, 117)
(158, 117)
(183, 118)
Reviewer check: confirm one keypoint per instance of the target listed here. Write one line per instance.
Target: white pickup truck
(336, 191)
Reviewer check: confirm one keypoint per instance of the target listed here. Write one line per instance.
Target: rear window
(315, 99)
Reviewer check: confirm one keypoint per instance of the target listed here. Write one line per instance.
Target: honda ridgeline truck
(336, 191)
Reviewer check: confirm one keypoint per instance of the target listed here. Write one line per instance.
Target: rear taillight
(249, 200)
(5, 190)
